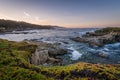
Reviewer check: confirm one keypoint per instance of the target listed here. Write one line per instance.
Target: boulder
(56, 51)
(39, 57)
(53, 49)
(47, 53)
(103, 55)
(94, 40)
(53, 60)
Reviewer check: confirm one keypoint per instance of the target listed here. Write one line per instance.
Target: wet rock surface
(103, 55)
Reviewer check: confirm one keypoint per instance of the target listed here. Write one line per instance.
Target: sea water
(77, 51)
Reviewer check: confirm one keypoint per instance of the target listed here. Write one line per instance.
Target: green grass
(14, 65)
(108, 30)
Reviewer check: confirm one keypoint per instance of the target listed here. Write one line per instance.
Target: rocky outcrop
(95, 39)
(47, 53)
(39, 57)
(103, 55)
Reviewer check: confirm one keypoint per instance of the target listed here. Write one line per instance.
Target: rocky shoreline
(29, 59)
(98, 39)
(47, 54)
(61, 53)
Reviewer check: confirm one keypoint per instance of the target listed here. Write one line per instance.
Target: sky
(66, 13)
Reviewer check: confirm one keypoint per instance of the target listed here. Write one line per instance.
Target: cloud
(26, 14)
(40, 19)
(37, 18)
(34, 19)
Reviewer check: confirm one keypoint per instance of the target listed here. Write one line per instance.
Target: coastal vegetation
(59, 39)
(108, 30)
(15, 65)
(10, 25)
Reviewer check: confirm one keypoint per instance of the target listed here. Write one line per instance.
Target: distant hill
(10, 25)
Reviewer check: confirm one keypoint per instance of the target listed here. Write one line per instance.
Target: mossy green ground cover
(108, 30)
(15, 65)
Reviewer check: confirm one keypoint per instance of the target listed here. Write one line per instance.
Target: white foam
(113, 45)
(106, 49)
(75, 54)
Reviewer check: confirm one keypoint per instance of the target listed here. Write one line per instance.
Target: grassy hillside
(9, 25)
(15, 65)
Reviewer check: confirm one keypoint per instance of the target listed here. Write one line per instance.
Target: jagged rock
(103, 55)
(90, 34)
(65, 42)
(98, 40)
(53, 60)
(39, 57)
(53, 49)
(46, 53)
(95, 44)
(56, 51)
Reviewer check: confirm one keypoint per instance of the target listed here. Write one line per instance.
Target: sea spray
(75, 54)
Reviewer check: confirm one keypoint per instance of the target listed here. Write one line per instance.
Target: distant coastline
(10, 25)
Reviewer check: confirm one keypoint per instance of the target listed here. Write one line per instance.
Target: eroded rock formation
(94, 39)
(47, 53)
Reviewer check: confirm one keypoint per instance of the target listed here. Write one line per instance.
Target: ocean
(77, 52)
